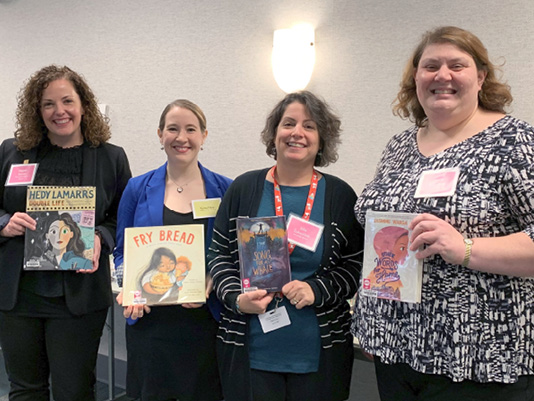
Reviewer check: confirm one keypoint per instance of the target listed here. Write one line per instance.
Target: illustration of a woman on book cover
(163, 278)
(57, 244)
(391, 247)
(65, 244)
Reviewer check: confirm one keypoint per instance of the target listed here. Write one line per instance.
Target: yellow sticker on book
(205, 208)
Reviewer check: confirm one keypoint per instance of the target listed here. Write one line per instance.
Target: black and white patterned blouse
(469, 324)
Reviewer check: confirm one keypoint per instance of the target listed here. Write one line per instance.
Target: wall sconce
(293, 57)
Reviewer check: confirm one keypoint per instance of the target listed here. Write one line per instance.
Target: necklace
(180, 188)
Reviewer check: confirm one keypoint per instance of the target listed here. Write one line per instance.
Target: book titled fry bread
(164, 265)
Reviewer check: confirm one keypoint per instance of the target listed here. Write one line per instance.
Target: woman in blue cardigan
(171, 349)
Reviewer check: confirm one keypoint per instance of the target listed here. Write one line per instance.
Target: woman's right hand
(133, 311)
(18, 223)
(255, 302)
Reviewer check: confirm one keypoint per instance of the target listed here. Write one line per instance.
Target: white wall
(139, 55)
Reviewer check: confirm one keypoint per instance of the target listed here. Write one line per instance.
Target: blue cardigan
(142, 204)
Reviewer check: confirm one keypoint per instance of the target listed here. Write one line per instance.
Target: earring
(162, 147)
(201, 147)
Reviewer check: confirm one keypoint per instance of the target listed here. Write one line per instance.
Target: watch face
(468, 241)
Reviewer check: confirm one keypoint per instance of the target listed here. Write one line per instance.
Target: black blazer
(105, 167)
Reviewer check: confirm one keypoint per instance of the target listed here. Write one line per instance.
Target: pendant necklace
(179, 188)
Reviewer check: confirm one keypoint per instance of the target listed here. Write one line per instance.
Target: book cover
(263, 253)
(65, 234)
(390, 269)
(164, 265)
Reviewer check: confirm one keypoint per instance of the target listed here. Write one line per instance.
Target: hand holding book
(299, 293)
(18, 223)
(254, 302)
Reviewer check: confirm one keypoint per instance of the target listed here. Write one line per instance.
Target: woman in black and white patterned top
(472, 335)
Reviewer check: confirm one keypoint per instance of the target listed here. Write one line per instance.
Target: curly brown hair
(30, 126)
(494, 95)
(328, 126)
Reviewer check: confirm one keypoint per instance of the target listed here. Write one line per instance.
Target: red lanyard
(309, 201)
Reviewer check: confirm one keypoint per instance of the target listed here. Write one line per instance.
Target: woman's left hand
(97, 248)
(438, 236)
(299, 293)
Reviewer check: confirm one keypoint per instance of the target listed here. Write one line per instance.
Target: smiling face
(447, 81)
(59, 235)
(297, 138)
(181, 135)
(166, 264)
(61, 111)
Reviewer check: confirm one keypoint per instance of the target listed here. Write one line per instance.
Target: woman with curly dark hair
(51, 321)
(311, 357)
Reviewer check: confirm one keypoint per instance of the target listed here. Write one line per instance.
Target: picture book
(65, 234)
(164, 265)
(390, 269)
(263, 253)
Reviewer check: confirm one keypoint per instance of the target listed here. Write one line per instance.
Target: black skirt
(171, 355)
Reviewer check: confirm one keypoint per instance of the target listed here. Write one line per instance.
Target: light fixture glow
(293, 57)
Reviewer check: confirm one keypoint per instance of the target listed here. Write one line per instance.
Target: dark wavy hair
(31, 128)
(328, 126)
(76, 244)
(494, 95)
(155, 260)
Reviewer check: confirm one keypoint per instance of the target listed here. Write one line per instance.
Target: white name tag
(274, 319)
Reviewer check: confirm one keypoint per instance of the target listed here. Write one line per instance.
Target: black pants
(64, 349)
(399, 382)
(330, 383)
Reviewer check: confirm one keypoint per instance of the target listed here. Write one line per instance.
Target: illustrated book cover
(263, 253)
(65, 234)
(164, 265)
(390, 269)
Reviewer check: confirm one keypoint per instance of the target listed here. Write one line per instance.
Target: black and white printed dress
(470, 324)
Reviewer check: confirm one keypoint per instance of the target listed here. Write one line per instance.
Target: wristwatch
(468, 245)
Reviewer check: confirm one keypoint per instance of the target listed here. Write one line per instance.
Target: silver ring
(294, 302)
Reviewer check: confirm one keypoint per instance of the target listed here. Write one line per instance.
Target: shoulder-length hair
(328, 126)
(30, 127)
(494, 95)
(76, 244)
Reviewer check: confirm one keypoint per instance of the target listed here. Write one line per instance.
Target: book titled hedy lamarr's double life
(65, 233)
(263, 253)
(164, 265)
(390, 269)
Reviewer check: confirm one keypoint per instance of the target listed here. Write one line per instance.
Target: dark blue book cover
(263, 253)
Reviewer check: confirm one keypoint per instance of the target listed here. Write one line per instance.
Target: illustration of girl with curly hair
(391, 247)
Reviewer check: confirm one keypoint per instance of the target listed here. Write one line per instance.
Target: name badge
(205, 208)
(436, 183)
(304, 233)
(274, 319)
(21, 174)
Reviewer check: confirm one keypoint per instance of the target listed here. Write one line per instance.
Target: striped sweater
(335, 281)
